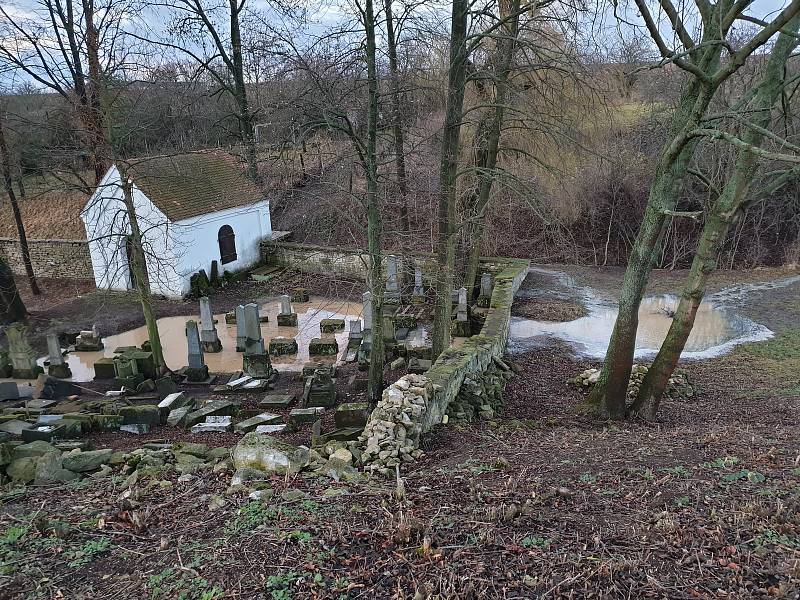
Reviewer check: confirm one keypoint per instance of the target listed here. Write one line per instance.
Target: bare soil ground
(540, 503)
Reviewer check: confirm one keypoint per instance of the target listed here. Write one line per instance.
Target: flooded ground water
(718, 326)
(173, 338)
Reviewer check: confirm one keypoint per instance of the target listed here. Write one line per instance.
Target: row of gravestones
(393, 293)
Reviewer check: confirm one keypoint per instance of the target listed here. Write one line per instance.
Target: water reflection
(716, 329)
(173, 338)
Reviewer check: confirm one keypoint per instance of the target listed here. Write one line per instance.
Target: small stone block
(279, 346)
(306, 415)
(331, 325)
(177, 417)
(213, 408)
(43, 432)
(323, 347)
(277, 400)
(351, 414)
(144, 413)
(289, 320)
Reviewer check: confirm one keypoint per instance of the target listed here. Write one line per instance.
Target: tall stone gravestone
(197, 370)
(58, 367)
(485, 295)
(20, 353)
(256, 361)
(392, 294)
(240, 329)
(461, 326)
(366, 298)
(286, 318)
(418, 295)
(209, 339)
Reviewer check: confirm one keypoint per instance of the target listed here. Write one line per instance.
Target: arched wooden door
(227, 244)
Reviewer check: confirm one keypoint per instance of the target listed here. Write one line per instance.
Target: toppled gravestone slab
(260, 419)
(213, 408)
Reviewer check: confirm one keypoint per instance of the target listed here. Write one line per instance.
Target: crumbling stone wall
(59, 259)
(477, 362)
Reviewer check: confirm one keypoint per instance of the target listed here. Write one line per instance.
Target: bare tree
(701, 59)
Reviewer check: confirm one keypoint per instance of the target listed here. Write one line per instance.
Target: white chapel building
(192, 209)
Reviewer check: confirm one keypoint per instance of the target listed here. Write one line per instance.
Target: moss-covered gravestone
(21, 354)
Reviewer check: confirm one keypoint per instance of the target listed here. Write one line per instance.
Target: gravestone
(21, 354)
(126, 372)
(320, 390)
(209, 339)
(240, 329)
(89, 341)
(354, 338)
(197, 369)
(485, 295)
(392, 294)
(58, 366)
(389, 333)
(461, 326)
(286, 318)
(255, 361)
(418, 295)
(366, 298)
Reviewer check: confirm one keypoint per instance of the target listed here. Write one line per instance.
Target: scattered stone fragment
(135, 428)
(260, 419)
(148, 414)
(267, 429)
(83, 462)
(213, 408)
(277, 400)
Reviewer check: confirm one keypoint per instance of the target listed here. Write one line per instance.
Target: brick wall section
(58, 259)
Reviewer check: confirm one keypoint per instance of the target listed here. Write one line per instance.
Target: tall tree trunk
(12, 308)
(139, 269)
(608, 398)
(5, 158)
(488, 139)
(446, 214)
(373, 211)
(725, 212)
(245, 116)
(397, 121)
(94, 119)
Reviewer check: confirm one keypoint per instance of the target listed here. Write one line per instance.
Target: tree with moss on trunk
(12, 308)
(448, 176)
(726, 211)
(701, 59)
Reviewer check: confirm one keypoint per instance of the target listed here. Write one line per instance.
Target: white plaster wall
(106, 223)
(195, 242)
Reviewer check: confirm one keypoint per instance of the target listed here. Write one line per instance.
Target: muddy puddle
(173, 338)
(717, 327)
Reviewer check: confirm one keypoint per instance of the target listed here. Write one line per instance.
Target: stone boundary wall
(414, 404)
(476, 353)
(58, 259)
(351, 263)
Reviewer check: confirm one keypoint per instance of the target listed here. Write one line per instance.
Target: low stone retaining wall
(352, 263)
(59, 259)
(393, 430)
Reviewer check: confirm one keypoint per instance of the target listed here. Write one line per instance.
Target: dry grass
(50, 210)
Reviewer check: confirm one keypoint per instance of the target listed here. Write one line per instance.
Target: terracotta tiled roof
(192, 184)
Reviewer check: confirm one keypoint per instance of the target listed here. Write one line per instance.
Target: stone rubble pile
(481, 393)
(395, 425)
(679, 388)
